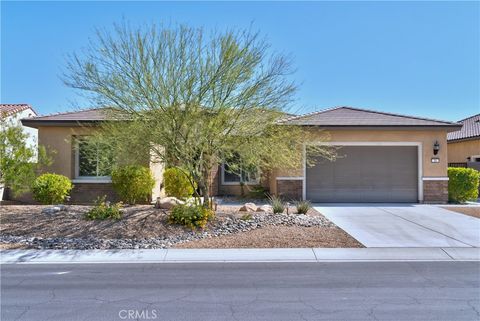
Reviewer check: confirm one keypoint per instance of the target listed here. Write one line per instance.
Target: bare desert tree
(192, 98)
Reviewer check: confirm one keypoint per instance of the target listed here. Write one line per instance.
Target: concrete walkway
(239, 255)
(385, 225)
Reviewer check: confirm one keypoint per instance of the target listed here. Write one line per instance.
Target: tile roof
(337, 116)
(470, 129)
(97, 114)
(68, 118)
(10, 109)
(351, 117)
(86, 115)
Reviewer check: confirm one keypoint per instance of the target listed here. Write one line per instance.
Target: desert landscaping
(144, 226)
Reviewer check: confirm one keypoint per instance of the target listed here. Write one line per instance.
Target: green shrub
(104, 210)
(192, 216)
(462, 184)
(246, 217)
(303, 207)
(177, 183)
(133, 183)
(51, 188)
(258, 191)
(277, 204)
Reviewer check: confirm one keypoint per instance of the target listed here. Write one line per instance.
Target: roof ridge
(399, 115)
(468, 117)
(310, 113)
(69, 112)
(365, 110)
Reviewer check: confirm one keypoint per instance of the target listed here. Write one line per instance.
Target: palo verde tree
(192, 99)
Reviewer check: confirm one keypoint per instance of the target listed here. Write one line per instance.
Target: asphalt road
(244, 291)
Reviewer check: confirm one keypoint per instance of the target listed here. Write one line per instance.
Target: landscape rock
(248, 207)
(54, 209)
(169, 202)
(265, 208)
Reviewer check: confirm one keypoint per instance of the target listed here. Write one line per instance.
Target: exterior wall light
(436, 148)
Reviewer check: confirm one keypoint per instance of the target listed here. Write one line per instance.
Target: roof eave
(58, 123)
(463, 139)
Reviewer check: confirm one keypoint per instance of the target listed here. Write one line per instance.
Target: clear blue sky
(419, 58)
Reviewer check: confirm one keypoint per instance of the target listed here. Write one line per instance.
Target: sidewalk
(239, 255)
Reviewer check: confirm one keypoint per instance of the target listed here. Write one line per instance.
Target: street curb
(280, 255)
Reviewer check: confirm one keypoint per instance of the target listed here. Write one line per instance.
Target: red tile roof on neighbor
(356, 117)
(10, 109)
(470, 129)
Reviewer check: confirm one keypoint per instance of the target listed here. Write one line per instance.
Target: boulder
(248, 207)
(169, 202)
(265, 208)
(54, 209)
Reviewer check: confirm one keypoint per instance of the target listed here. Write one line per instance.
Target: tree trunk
(205, 190)
(206, 196)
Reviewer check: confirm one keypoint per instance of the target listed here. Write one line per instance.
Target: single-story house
(464, 144)
(383, 157)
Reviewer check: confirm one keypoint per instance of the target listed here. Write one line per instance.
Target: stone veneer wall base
(435, 192)
(290, 189)
(87, 193)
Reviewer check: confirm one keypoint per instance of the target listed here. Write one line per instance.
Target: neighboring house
(383, 158)
(14, 113)
(464, 144)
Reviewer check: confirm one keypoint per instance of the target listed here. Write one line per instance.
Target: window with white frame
(234, 176)
(93, 160)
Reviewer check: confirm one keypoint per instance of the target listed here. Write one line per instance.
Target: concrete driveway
(385, 225)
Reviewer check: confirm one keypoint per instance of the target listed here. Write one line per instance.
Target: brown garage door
(366, 174)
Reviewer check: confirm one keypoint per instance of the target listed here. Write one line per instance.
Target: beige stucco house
(464, 144)
(383, 157)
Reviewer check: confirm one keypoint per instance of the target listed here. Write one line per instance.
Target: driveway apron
(404, 225)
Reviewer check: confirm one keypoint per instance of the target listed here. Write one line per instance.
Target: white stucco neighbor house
(14, 113)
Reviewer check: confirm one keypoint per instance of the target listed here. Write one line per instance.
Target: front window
(93, 159)
(236, 176)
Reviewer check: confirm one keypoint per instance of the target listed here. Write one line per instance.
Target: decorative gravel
(225, 226)
(473, 211)
(279, 236)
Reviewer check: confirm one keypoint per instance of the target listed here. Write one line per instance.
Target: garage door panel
(366, 174)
